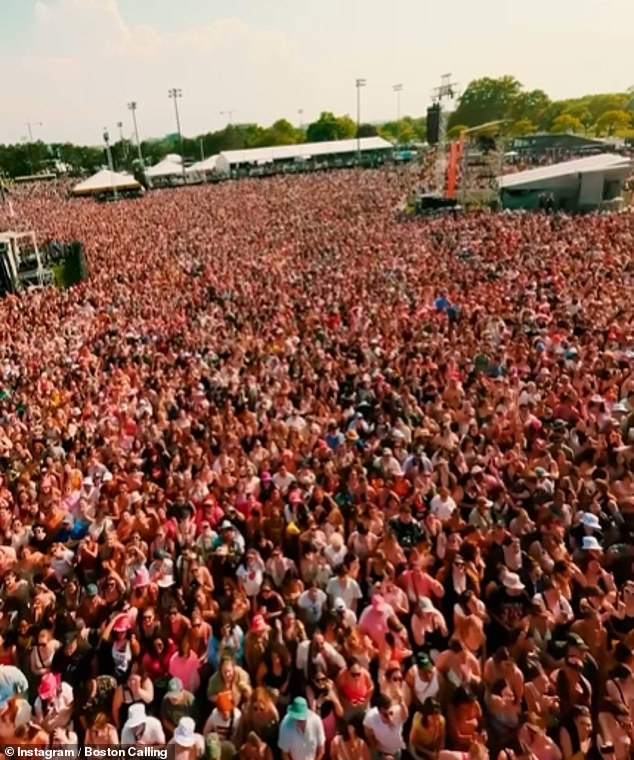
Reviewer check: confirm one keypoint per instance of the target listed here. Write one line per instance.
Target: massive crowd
(290, 477)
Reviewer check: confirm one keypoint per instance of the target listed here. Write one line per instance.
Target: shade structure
(105, 181)
(584, 184)
(204, 166)
(168, 167)
(258, 156)
(605, 162)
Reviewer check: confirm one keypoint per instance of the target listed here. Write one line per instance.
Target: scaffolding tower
(481, 164)
(445, 93)
(20, 263)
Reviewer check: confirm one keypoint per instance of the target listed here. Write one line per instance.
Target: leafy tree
(367, 130)
(405, 130)
(599, 104)
(555, 109)
(581, 111)
(529, 105)
(611, 122)
(282, 132)
(486, 99)
(523, 127)
(566, 123)
(418, 126)
(330, 127)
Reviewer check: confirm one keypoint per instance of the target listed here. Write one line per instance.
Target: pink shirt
(186, 668)
(373, 623)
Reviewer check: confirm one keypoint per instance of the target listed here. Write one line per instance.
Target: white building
(582, 184)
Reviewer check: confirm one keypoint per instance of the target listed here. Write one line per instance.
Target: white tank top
(425, 689)
(121, 657)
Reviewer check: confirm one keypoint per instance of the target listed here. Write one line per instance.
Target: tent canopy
(106, 181)
(302, 150)
(166, 168)
(207, 165)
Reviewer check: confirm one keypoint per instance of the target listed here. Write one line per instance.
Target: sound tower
(433, 124)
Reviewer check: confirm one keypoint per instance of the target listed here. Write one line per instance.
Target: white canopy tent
(229, 158)
(168, 167)
(105, 181)
(203, 167)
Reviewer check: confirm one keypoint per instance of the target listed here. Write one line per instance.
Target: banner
(455, 155)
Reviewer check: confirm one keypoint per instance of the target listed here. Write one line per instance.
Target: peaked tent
(165, 168)
(105, 181)
(201, 167)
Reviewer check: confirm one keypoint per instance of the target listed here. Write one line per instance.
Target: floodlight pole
(175, 93)
(124, 148)
(29, 127)
(229, 115)
(132, 106)
(398, 89)
(359, 84)
(106, 139)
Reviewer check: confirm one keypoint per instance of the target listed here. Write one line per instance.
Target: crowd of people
(289, 477)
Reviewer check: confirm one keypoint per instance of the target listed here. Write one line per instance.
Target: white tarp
(201, 167)
(104, 181)
(229, 158)
(165, 168)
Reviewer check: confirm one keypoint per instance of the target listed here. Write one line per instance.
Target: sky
(69, 67)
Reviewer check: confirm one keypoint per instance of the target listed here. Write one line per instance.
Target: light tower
(175, 94)
(359, 83)
(446, 91)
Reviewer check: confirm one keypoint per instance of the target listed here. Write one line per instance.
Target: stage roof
(602, 163)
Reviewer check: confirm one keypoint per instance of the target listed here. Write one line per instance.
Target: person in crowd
(101, 732)
(141, 728)
(186, 742)
(383, 726)
(301, 733)
(428, 731)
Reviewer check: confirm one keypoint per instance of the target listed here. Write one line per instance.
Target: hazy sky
(74, 64)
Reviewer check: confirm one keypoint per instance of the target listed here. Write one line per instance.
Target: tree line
(28, 158)
(484, 100)
(528, 111)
